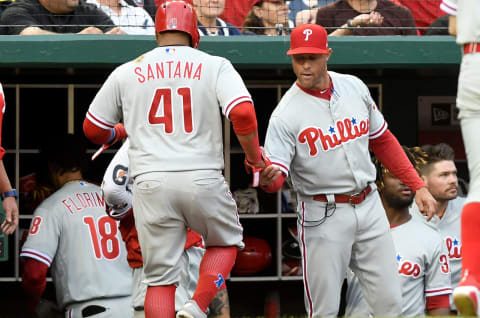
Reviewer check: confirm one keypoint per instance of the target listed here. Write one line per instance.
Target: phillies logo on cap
(307, 33)
(308, 39)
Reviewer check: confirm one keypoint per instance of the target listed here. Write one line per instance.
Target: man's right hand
(269, 175)
(91, 30)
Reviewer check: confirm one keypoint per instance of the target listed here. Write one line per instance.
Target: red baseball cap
(308, 38)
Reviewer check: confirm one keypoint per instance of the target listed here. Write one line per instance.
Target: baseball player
(320, 135)
(423, 265)
(116, 187)
(7, 194)
(465, 25)
(170, 100)
(440, 175)
(71, 234)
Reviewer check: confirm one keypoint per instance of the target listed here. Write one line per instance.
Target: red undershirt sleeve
(34, 280)
(96, 134)
(439, 301)
(243, 119)
(388, 150)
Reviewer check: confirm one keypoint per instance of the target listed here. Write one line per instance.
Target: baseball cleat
(191, 310)
(466, 297)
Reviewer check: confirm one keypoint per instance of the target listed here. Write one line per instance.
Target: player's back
(72, 233)
(171, 98)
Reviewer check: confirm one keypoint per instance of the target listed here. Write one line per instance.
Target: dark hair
(254, 22)
(417, 157)
(437, 153)
(65, 153)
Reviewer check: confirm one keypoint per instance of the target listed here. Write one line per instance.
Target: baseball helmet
(292, 258)
(255, 257)
(177, 16)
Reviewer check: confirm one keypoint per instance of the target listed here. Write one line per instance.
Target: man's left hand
(425, 202)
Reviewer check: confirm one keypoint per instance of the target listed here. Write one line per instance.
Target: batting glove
(254, 170)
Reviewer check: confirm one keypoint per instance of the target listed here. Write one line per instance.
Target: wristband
(11, 193)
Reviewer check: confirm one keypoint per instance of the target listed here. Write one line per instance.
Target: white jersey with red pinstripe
(423, 268)
(170, 100)
(71, 233)
(316, 136)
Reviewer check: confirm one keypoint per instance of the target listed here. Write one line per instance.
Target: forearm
(452, 25)
(4, 181)
(35, 31)
(220, 307)
(390, 153)
(244, 123)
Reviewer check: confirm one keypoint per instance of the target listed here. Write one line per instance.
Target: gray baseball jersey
(336, 139)
(71, 233)
(170, 97)
(468, 23)
(423, 269)
(450, 229)
(324, 146)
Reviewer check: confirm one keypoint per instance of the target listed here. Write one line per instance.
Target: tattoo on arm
(219, 307)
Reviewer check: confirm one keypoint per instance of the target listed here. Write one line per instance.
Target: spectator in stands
(295, 6)
(130, 19)
(148, 5)
(424, 12)
(365, 17)
(439, 26)
(31, 17)
(209, 23)
(236, 11)
(268, 17)
(7, 194)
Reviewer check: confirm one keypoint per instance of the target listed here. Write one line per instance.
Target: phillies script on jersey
(347, 130)
(168, 69)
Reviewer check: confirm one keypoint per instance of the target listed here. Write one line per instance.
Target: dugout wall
(49, 82)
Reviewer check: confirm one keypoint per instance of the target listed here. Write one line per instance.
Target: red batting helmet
(177, 16)
(255, 257)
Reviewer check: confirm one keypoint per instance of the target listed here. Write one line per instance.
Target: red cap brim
(306, 50)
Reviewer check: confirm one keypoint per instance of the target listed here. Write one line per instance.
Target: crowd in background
(226, 17)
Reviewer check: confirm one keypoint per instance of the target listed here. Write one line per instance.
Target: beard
(397, 202)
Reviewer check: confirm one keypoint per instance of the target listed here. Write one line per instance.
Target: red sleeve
(439, 301)
(388, 150)
(243, 119)
(34, 280)
(275, 185)
(130, 237)
(96, 134)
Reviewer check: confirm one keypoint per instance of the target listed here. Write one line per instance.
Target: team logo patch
(454, 247)
(342, 131)
(408, 268)
(220, 281)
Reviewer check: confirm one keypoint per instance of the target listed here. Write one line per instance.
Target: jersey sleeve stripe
(379, 132)
(283, 167)
(438, 291)
(39, 256)
(235, 102)
(98, 121)
(448, 7)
